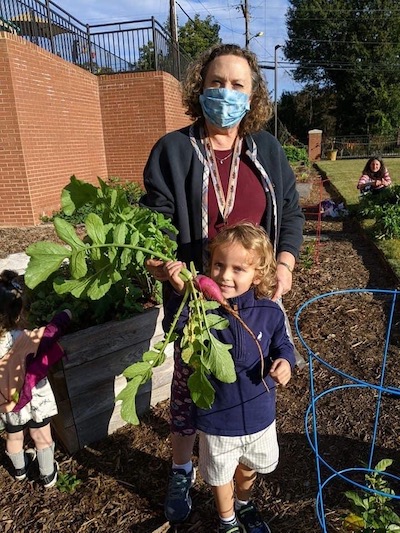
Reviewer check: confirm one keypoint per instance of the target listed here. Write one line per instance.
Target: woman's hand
(156, 269)
(284, 276)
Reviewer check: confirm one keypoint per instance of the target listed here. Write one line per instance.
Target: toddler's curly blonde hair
(256, 241)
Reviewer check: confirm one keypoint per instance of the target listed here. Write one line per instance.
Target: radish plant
(119, 238)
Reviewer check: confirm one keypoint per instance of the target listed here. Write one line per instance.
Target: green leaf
(119, 233)
(128, 398)
(221, 362)
(78, 264)
(76, 287)
(66, 232)
(99, 286)
(187, 353)
(141, 368)
(95, 228)
(45, 258)
(383, 464)
(216, 322)
(354, 522)
(76, 195)
(201, 390)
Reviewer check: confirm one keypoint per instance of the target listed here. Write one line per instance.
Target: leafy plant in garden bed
(112, 289)
(372, 512)
(112, 254)
(384, 208)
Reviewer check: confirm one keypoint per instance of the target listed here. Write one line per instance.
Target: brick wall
(58, 120)
(137, 109)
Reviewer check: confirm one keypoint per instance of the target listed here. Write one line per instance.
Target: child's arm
(281, 353)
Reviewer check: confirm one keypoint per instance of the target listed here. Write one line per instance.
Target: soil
(123, 477)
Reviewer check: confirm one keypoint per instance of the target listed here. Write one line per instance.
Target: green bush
(384, 209)
(132, 190)
(96, 286)
(296, 154)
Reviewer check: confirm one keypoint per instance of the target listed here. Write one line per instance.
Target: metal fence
(362, 146)
(132, 46)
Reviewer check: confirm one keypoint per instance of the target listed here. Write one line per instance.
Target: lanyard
(225, 203)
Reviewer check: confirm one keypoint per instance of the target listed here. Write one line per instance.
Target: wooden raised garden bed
(87, 380)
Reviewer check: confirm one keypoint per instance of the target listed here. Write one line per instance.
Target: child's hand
(281, 371)
(172, 269)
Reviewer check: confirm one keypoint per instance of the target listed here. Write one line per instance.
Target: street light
(259, 34)
(277, 46)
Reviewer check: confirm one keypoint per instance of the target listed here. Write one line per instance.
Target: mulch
(123, 477)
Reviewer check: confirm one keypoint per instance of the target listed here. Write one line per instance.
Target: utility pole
(245, 11)
(174, 35)
(172, 22)
(277, 46)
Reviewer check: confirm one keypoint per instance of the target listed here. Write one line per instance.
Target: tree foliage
(197, 35)
(310, 108)
(352, 47)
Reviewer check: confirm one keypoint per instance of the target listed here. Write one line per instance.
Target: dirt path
(123, 478)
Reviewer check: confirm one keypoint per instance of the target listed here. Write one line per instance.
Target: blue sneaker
(226, 528)
(178, 502)
(250, 519)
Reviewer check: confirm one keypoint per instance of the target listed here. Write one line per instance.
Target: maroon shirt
(250, 201)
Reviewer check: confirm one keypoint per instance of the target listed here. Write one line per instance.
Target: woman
(222, 169)
(375, 176)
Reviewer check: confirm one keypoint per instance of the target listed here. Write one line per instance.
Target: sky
(265, 16)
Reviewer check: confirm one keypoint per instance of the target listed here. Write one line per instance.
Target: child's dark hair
(10, 300)
(381, 172)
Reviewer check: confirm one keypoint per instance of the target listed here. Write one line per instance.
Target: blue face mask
(224, 107)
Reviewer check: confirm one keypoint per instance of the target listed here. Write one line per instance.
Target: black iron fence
(362, 146)
(132, 46)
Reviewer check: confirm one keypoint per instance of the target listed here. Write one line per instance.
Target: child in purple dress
(26, 398)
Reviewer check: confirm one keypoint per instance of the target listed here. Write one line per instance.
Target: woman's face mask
(224, 107)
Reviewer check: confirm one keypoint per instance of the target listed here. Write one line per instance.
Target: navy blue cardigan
(243, 407)
(173, 179)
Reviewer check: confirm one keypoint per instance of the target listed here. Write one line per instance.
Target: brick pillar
(314, 145)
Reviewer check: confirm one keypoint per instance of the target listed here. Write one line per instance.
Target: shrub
(97, 287)
(384, 208)
(296, 154)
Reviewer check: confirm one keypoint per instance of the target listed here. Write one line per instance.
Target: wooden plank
(100, 400)
(103, 369)
(86, 385)
(98, 341)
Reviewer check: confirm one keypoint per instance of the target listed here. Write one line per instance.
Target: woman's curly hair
(255, 240)
(260, 105)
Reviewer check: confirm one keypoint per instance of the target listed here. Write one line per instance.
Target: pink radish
(212, 292)
(209, 288)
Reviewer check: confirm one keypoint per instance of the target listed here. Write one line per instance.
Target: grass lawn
(344, 175)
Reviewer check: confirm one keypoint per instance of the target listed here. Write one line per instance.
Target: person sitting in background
(375, 176)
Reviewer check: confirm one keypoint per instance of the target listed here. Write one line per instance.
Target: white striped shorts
(219, 456)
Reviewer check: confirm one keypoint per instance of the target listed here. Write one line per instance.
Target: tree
(197, 35)
(352, 47)
(310, 108)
